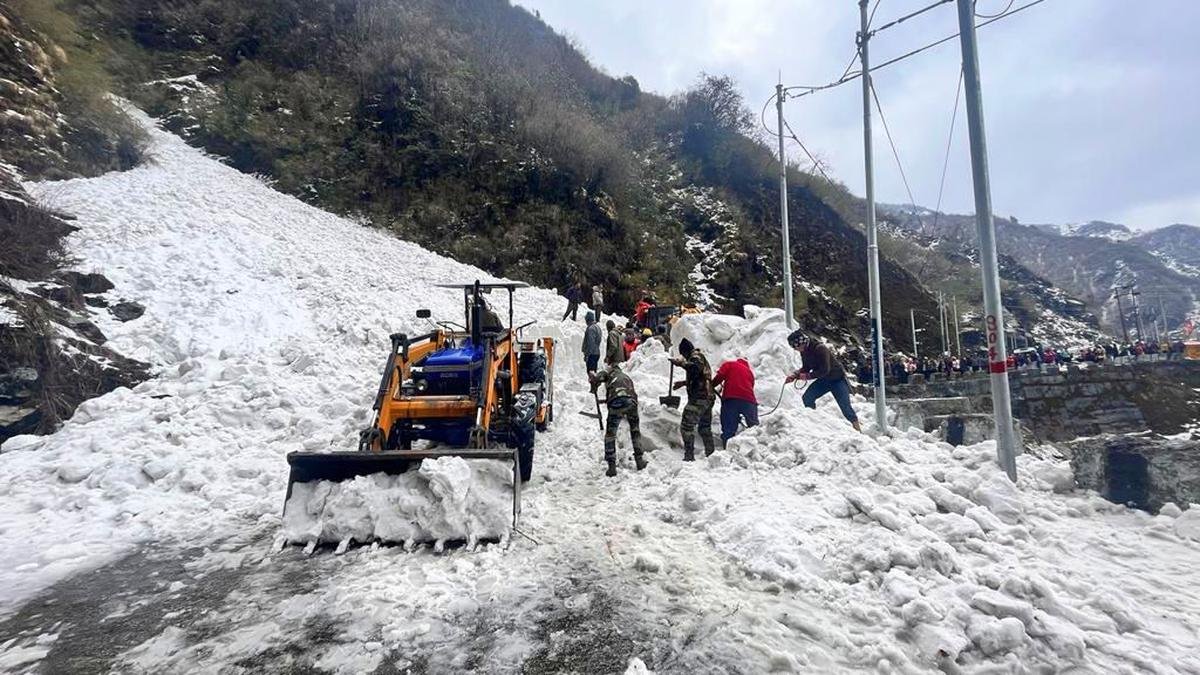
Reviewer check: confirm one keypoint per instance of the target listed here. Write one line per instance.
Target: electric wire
(811, 158)
(854, 76)
(992, 16)
(946, 161)
(906, 17)
(895, 152)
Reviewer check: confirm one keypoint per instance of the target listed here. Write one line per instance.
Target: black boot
(612, 468)
(640, 461)
(689, 455)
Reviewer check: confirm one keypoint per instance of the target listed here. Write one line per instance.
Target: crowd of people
(901, 367)
(733, 382)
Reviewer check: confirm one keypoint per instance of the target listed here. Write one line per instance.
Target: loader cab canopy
(480, 318)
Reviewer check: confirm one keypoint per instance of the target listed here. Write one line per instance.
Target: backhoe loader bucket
(343, 497)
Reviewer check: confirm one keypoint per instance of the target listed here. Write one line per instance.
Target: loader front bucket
(335, 519)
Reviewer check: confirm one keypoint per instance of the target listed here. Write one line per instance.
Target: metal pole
(1006, 442)
(942, 323)
(872, 237)
(1137, 314)
(912, 318)
(957, 334)
(1121, 313)
(788, 305)
(1162, 311)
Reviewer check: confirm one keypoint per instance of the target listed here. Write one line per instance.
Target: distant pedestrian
(825, 373)
(574, 295)
(738, 402)
(697, 414)
(593, 339)
(597, 301)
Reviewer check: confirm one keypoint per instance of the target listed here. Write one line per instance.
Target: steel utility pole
(1006, 442)
(942, 323)
(788, 307)
(957, 335)
(872, 236)
(1137, 314)
(913, 319)
(1121, 313)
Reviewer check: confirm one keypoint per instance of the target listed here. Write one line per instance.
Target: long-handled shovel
(588, 413)
(670, 400)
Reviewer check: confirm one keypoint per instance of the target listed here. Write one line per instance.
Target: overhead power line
(854, 76)
(803, 147)
(906, 17)
(946, 161)
(993, 16)
(895, 152)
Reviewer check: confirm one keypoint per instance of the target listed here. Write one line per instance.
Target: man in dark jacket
(622, 405)
(574, 295)
(613, 351)
(826, 374)
(697, 414)
(738, 402)
(593, 338)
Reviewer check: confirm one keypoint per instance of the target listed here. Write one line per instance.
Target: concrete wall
(1067, 402)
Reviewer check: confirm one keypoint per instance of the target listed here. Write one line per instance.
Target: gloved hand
(795, 376)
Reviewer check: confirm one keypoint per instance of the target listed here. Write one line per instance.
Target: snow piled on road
(802, 547)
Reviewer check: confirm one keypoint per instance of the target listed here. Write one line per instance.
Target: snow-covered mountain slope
(805, 546)
(1098, 229)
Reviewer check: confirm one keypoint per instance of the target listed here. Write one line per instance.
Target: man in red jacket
(738, 402)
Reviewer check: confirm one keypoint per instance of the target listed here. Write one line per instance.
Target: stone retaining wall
(1066, 402)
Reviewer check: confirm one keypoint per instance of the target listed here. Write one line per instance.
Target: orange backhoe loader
(474, 390)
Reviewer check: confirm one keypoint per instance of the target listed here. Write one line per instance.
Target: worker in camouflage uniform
(698, 411)
(622, 405)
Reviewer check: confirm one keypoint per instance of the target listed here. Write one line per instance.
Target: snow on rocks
(803, 546)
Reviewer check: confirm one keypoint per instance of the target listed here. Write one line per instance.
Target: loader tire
(526, 453)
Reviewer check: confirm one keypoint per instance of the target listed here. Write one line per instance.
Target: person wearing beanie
(593, 337)
(613, 354)
(697, 414)
(825, 373)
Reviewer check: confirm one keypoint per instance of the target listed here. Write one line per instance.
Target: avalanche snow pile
(803, 546)
(267, 323)
(448, 498)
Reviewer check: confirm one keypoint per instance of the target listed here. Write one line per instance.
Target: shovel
(588, 413)
(670, 400)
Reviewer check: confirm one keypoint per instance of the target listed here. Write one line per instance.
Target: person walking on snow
(613, 353)
(825, 372)
(597, 300)
(593, 337)
(574, 295)
(738, 403)
(622, 405)
(698, 411)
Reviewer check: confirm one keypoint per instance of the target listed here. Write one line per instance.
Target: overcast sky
(1091, 107)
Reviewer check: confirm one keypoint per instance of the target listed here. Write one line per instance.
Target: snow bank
(267, 324)
(448, 498)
